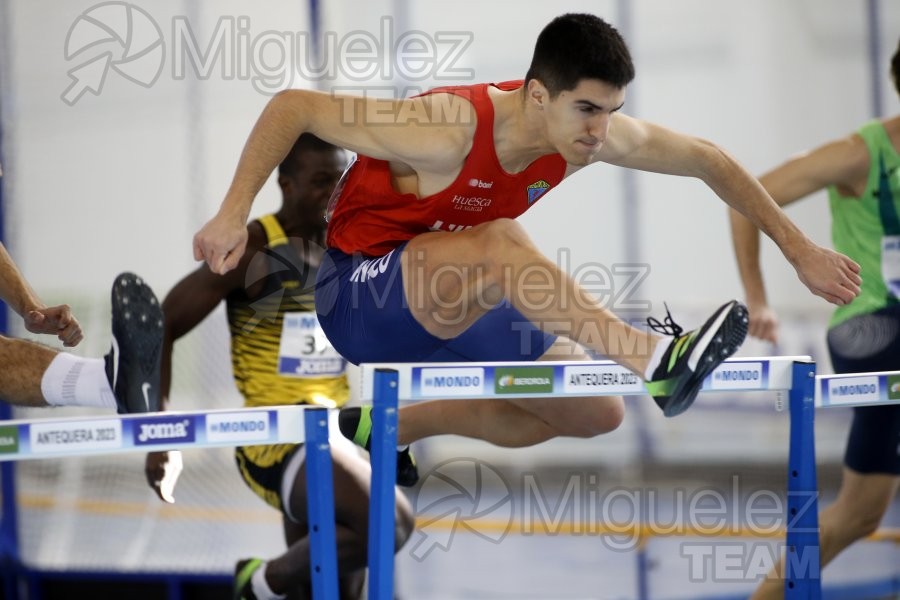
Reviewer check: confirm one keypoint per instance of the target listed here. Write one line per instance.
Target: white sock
(261, 588)
(661, 346)
(74, 381)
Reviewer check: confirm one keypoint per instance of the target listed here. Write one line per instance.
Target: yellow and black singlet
(279, 353)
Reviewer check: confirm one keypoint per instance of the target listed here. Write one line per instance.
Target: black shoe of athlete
(694, 355)
(355, 423)
(133, 360)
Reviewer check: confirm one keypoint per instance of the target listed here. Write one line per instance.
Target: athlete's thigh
(447, 281)
(501, 334)
(361, 307)
(351, 483)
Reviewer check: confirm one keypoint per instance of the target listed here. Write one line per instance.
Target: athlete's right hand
(55, 320)
(162, 470)
(763, 322)
(221, 242)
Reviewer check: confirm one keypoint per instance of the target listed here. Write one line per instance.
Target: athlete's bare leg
(861, 503)
(452, 279)
(24, 364)
(526, 421)
(352, 474)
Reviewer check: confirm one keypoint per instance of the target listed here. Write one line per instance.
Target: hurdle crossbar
(858, 389)
(430, 381)
(152, 432)
(107, 434)
(385, 385)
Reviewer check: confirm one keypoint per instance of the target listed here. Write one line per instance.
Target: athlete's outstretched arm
(37, 316)
(642, 145)
(842, 162)
(421, 132)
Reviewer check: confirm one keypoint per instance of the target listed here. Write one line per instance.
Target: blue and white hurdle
(107, 434)
(385, 385)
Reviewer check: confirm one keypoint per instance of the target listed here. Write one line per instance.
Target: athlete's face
(578, 120)
(309, 188)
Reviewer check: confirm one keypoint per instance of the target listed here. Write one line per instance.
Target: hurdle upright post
(802, 553)
(320, 506)
(383, 455)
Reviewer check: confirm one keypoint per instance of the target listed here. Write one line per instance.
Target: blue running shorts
(363, 311)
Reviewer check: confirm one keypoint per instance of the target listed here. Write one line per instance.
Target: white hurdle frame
(384, 385)
(27, 439)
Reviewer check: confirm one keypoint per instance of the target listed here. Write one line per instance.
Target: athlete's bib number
(305, 351)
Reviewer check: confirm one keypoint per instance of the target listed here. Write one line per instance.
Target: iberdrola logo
(893, 387)
(536, 190)
(523, 380)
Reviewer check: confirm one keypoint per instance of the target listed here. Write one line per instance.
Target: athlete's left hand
(162, 470)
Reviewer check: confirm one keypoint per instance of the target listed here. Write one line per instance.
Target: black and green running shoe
(243, 573)
(355, 423)
(694, 355)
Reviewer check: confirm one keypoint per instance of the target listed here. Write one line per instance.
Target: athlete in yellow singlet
(280, 356)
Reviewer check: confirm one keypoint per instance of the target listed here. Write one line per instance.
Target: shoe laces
(668, 326)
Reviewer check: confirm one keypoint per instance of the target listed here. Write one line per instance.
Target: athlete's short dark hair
(306, 142)
(575, 46)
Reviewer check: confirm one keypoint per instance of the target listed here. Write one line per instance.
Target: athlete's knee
(847, 522)
(501, 243)
(608, 416)
(864, 523)
(502, 235)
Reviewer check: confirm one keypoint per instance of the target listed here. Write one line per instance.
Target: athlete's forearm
(278, 127)
(745, 194)
(745, 239)
(14, 289)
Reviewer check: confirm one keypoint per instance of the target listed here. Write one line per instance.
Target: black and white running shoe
(133, 361)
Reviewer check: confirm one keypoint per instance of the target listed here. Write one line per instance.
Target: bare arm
(38, 317)
(843, 163)
(428, 134)
(185, 306)
(641, 145)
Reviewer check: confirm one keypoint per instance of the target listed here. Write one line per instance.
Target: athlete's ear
(537, 93)
(285, 183)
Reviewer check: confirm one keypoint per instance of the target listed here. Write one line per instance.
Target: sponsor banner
(893, 387)
(244, 427)
(9, 439)
(523, 380)
(739, 376)
(164, 430)
(318, 367)
(851, 390)
(600, 379)
(441, 382)
(58, 437)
